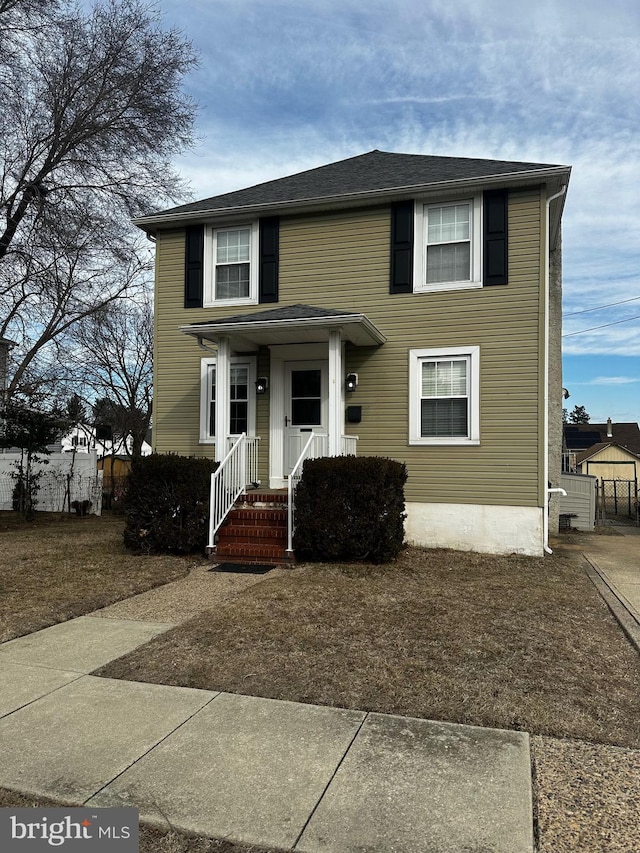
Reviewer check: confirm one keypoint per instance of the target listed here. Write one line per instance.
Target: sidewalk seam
(50, 693)
(151, 748)
(332, 777)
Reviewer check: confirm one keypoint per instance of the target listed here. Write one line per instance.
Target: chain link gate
(617, 502)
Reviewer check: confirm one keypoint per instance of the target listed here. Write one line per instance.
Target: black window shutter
(496, 270)
(401, 280)
(269, 250)
(193, 263)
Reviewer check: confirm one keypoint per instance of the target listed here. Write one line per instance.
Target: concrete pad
(427, 787)
(630, 592)
(70, 743)
(81, 645)
(245, 769)
(21, 684)
(619, 574)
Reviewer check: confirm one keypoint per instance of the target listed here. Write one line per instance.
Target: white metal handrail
(316, 447)
(251, 450)
(349, 445)
(313, 449)
(236, 471)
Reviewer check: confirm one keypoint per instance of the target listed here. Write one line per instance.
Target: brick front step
(255, 530)
(243, 552)
(242, 532)
(257, 517)
(277, 498)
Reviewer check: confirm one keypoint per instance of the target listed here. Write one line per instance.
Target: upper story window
(231, 265)
(444, 405)
(448, 245)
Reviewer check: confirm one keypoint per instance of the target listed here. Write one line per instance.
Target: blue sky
(286, 85)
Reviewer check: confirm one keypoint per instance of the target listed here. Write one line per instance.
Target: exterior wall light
(262, 383)
(352, 381)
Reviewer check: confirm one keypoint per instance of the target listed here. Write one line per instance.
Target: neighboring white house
(82, 438)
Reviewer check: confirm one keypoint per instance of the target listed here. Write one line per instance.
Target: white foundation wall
(472, 527)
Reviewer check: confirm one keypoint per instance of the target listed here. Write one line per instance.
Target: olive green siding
(341, 261)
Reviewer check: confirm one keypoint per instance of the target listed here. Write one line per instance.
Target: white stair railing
(238, 469)
(315, 448)
(349, 445)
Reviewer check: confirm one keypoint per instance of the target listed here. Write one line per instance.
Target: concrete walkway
(614, 567)
(259, 771)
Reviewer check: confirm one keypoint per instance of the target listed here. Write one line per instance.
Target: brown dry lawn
(510, 642)
(58, 567)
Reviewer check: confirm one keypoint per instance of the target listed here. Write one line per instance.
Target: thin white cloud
(614, 380)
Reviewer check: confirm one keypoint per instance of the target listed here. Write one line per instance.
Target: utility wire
(600, 307)
(604, 326)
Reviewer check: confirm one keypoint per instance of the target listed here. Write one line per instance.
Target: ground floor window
(444, 396)
(241, 401)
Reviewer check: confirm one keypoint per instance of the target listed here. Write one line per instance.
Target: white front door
(306, 406)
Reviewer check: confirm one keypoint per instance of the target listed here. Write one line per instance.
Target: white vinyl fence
(580, 503)
(59, 486)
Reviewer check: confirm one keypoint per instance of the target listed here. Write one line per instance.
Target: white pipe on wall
(547, 491)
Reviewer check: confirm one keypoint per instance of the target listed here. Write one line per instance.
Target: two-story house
(392, 304)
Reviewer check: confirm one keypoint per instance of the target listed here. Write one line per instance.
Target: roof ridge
(372, 174)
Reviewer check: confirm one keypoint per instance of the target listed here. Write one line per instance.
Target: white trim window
(444, 398)
(448, 245)
(242, 404)
(231, 265)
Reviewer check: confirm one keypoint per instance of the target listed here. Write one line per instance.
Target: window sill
(448, 286)
(230, 303)
(444, 442)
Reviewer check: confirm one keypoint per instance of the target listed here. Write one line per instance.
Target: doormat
(243, 568)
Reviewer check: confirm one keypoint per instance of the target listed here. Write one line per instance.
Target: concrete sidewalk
(252, 770)
(614, 567)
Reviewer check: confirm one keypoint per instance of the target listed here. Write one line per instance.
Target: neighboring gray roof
(373, 174)
(598, 448)
(625, 434)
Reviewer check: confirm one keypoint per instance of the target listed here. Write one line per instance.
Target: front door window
(306, 406)
(306, 398)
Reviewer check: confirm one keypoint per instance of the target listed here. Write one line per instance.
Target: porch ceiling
(293, 324)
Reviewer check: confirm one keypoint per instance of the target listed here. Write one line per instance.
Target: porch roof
(292, 324)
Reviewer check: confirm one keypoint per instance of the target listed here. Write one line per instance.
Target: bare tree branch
(93, 116)
(114, 359)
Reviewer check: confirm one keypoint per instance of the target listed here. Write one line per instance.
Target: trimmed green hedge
(350, 508)
(167, 504)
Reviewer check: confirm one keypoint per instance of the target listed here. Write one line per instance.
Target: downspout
(547, 490)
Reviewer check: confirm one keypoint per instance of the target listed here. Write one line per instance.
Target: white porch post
(223, 383)
(335, 393)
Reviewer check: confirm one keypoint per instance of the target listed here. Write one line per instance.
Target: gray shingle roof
(374, 172)
(289, 324)
(288, 312)
(625, 434)
(596, 448)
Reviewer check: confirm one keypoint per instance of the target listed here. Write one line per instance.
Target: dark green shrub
(350, 508)
(167, 505)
